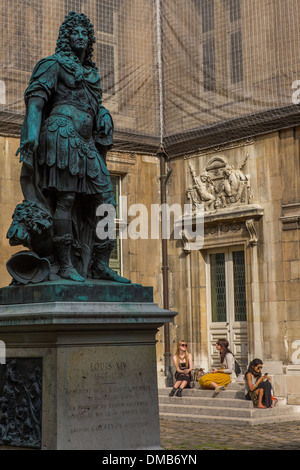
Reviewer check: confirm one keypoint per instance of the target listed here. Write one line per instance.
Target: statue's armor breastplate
(72, 100)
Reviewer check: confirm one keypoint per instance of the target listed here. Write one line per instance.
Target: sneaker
(218, 389)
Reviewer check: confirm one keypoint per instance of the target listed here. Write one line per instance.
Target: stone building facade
(243, 282)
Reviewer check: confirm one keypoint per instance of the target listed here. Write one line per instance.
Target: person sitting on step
(258, 387)
(183, 363)
(218, 379)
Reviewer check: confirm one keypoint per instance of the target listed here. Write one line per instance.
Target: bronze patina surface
(64, 141)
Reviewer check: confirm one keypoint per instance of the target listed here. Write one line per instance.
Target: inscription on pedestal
(110, 399)
(21, 402)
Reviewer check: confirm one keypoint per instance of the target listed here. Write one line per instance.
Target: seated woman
(258, 386)
(183, 363)
(218, 379)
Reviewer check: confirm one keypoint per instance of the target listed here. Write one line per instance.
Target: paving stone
(175, 435)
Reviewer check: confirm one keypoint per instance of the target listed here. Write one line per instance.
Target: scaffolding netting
(179, 74)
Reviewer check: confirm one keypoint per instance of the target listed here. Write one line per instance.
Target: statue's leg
(62, 226)
(62, 222)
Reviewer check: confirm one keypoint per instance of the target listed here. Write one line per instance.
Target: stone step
(229, 406)
(229, 411)
(218, 401)
(194, 392)
(230, 420)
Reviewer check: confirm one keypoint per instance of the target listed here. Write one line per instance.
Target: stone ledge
(293, 369)
(237, 222)
(290, 216)
(83, 314)
(231, 214)
(65, 291)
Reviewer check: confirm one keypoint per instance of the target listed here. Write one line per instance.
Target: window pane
(235, 10)
(237, 70)
(115, 256)
(207, 10)
(73, 5)
(105, 16)
(218, 289)
(209, 72)
(239, 286)
(106, 67)
(115, 180)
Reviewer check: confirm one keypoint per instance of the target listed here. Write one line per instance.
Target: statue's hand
(27, 148)
(106, 124)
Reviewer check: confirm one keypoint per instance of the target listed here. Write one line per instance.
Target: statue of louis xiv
(64, 141)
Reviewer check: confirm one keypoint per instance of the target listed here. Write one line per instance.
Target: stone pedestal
(80, 366)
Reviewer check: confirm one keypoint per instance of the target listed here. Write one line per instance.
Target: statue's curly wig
(72, 20)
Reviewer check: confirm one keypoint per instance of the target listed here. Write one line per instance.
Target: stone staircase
(228, 407)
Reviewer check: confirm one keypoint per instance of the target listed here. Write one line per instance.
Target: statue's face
(79, 39)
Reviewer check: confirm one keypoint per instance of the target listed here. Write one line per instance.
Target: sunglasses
(184, 344)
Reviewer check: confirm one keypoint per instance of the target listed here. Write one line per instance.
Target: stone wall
(272, 258)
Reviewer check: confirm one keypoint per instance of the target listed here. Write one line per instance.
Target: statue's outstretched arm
(34, 119)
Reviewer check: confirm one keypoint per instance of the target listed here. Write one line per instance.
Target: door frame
(236, 332)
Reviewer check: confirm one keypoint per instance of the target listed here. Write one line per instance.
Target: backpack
(237, 368)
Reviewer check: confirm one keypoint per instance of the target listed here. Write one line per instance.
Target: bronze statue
(64, 141)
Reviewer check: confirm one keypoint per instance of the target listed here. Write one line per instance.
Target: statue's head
(228, 169)
(64, 41)
(204, 175)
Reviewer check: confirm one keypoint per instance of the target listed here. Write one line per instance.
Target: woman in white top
(218, 379)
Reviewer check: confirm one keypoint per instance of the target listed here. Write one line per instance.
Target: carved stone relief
(220, 185)
(227, 197)
(21, 402)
